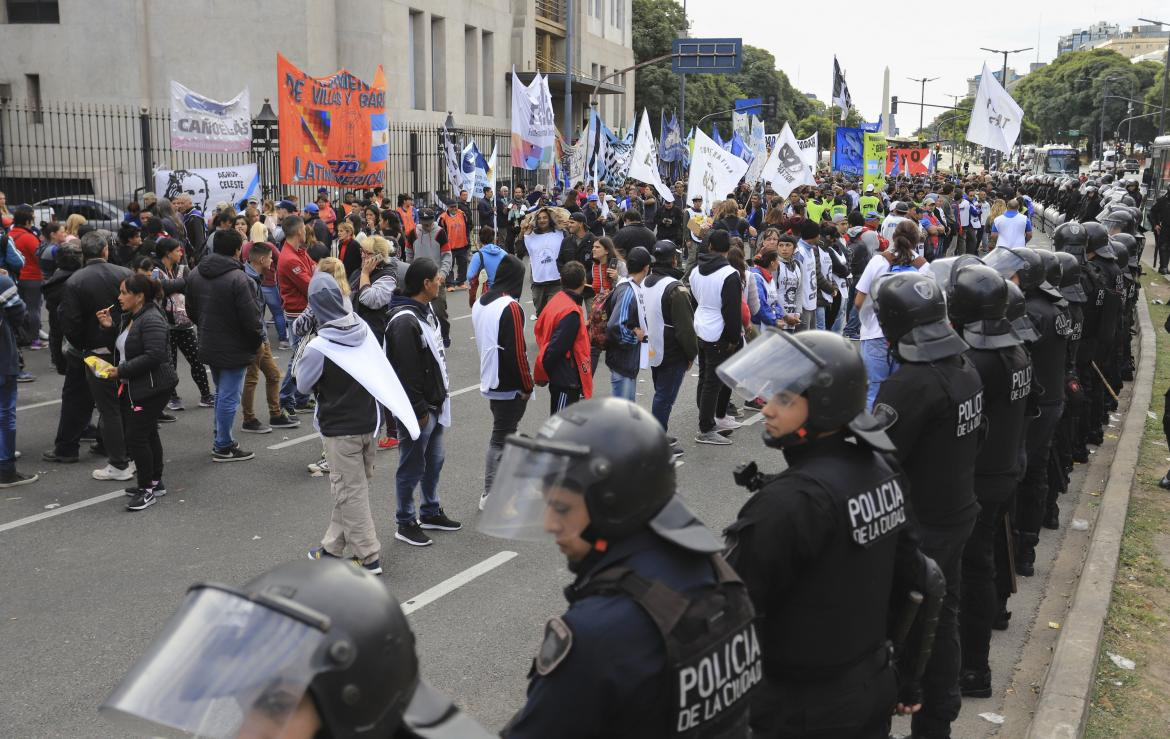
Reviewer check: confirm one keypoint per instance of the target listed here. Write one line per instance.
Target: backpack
(599, 320)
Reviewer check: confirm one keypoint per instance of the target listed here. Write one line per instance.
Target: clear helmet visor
(224, 666)
(772, 364)
(532, 477)
(1005, 262)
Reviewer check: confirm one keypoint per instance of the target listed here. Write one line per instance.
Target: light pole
(1165, 76)
(922, 98)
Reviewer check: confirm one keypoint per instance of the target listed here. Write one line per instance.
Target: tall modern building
(1081, 37)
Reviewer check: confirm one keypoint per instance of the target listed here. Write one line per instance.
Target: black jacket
(634, 234)
(730, 297)
(221, 302)
(670, 223)
(53, 290)
(420, 374)
(146, 368)
(88, 290)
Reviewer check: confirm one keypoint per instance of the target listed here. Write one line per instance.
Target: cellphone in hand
(613, 263)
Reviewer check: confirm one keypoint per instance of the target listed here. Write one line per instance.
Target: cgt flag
(786, 169)
(995, 117)
(841, 97)
(644, 161)
(714, 171)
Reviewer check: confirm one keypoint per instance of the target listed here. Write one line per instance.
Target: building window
(33, 85)
(470, 73)
(438, 65)
(417, 56)
(32, 11)
(487, 49)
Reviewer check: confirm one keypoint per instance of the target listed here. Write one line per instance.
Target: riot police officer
(306, 650)
(937, 397)
(1126, 247)
(1064, 444)
(1102, 259)
(824, 545)
(658, 639)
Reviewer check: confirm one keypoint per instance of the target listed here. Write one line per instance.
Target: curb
(1063, 705)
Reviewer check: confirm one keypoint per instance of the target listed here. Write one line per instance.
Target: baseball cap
(901, 206)
(696, 197)
(312, 208)
(664, 250)
(872, 215)
(638, 259)
(869, 187)
(287, 205)
(579, 217)
(426, 215)
(591, 199)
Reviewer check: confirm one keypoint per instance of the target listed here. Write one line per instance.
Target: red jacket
(27, 244)
(293, 272)
(556, 309)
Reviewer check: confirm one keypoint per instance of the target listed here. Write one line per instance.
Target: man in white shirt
(1012, 228)
(966, 243)
(875, 350)
(897, 214)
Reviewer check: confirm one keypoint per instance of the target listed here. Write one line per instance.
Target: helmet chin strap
(795, 438)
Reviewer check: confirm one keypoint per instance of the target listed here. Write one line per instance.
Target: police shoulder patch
(558, 640)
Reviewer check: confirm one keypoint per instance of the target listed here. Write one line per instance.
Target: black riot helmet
(977, 304)
(1121, 250)
(239, 658)
(1017, 314)
(1127, 200)
(824, 367)
(1098, 240)
(1070, 278)
(1021, 261)
(612, 452)
(912, 313)
(1107, 179)
(1070, 237)
(1052, 273)
(1118, 218)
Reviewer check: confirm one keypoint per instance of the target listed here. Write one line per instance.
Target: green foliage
(656, 24)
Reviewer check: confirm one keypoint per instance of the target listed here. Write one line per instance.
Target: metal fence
(111, 152)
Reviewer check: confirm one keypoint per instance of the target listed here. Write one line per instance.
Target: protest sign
(211, 186)
(714, 171)
(199, 123)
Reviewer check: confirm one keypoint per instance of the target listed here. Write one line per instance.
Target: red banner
(333, 130)
(910, 161)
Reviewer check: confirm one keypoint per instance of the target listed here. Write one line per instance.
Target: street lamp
(1165, 75)
(922, 99)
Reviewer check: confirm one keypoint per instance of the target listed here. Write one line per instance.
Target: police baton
(1104, 381)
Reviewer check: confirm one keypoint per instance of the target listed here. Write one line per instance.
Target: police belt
(808, 677)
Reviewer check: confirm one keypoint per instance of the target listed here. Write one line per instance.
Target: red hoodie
(293, 272)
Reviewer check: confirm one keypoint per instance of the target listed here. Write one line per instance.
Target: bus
(1057, 160)
(1157, 174)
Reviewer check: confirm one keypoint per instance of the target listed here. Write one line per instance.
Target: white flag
(491, 171)
(995, 117)
(644, 162)
(758, 144)
(740, 124)
(451, 161)
(809, 150)
(786, 170)
(714, 171)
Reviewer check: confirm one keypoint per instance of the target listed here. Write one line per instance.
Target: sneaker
(158, 488)
(289, 411)
(13, 479)
(283, 421)
(52, 456)
(234, 454)
(712, 437)
(166, 418)
(676, 450)
(25, 376)
(727, 423)
(413, 535)
(439, 522)
(142, 499)
(284, 346)
(482, 500)
(43, 335)
(318, 553)
(110, 472)
(755, 404)
(253, 426)
(321, 465)
(175, 404)
(734, 410)
(37, 345)
(89, 433)
(374, 568)
(207, 401)
(307, 407)
(389, 442)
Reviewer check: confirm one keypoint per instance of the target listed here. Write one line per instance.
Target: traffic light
(893, 104)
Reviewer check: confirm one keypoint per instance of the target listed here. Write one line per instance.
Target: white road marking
(460, 318)
(42, 404)
(754, 419)
(58, 511)
(430, 595)
(315, 435)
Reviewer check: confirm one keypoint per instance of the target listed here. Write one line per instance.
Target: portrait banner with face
(211, 186)
(786, 169)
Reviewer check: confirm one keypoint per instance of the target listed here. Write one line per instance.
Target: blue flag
(716, 138)
(872, 127)
(897, 167)
(740, 149)
(674, 145)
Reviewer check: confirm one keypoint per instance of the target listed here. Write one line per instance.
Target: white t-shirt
(1011, 228)
(889, 225)
(807, 259)
(878, 267)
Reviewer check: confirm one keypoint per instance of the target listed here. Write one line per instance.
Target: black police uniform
(939, 407)
(818, 547)
(1109, 330)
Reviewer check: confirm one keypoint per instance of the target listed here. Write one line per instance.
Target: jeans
(820, 318)
(506, 415)
(879, 365)
(290, 397)
(667, 380)
(838, 321)
(266, 365)
(273, 303)
(419, 460)
(940, 682)
(713, 394)
(105, 397)
(853, 322)
(623, 387)
(76, 407)
(229, 386)
(142, 441)
(7, 424)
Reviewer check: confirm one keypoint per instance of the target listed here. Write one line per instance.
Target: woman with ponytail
(147, 376)
(902, 255)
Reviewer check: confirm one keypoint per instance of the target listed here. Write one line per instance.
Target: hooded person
(348, 375)
(504, 376)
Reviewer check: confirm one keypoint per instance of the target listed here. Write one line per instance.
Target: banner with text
(210, 187)
(875, 160)
(333, 130)
(911, 161)
(714, 171)
(534, 131)
(199, 123)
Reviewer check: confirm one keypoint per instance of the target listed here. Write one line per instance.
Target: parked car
(1131, 165)
(98, 213)
(1096, 167)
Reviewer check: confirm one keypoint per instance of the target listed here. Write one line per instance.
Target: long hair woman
(172, 267)
(146, 377)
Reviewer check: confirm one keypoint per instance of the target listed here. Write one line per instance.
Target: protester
(172, 267)
(633, 233)
(293, 272)
(487, 259)
(457, 225)
(1011, 228)
(562, 343)
(13, 315)
(258, 261)
(221, 302)
(626, 327)
(430, 242)
(542, 246)
(719, 294)
(670, 331)
(30, 276)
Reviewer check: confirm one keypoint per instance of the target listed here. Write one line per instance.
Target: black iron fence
(111, 152)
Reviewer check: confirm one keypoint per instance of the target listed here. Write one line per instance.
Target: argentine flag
(379, 137)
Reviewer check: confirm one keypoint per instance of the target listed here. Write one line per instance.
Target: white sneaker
(727, 423)
(110, 472)
(482, 500)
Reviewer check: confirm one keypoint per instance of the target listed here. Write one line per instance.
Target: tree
(656, 23)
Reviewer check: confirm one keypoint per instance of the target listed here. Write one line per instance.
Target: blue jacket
(611, 683)
(12, 317)
(765, 315)
(487, 258)
(623, 354)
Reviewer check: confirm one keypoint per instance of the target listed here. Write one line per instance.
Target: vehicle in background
(1111, 158)
(1096, 167)
(1131, 165)
(98, 213)
(1063, 160)
(1157, 174)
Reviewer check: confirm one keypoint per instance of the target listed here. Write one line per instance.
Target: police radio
(749, 476)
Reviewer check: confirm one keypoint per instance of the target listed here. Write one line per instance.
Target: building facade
(1082, 37)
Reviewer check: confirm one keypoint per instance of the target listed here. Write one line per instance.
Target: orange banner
(910, 161)
(333, 130)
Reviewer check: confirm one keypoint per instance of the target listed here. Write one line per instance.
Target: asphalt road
(86, 585)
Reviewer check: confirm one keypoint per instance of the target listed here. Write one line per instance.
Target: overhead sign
(706, 55)
(335, 129)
